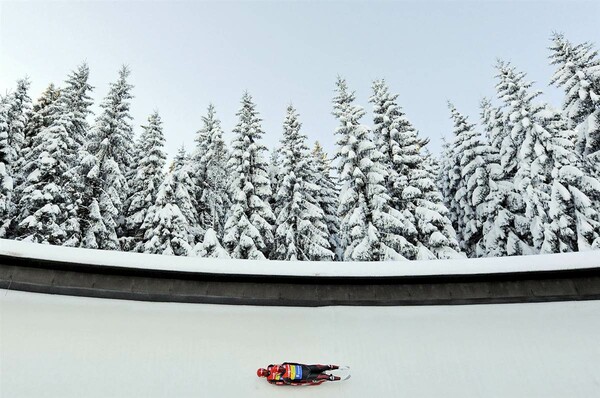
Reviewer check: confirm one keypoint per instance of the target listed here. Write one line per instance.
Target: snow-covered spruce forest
(524, 180)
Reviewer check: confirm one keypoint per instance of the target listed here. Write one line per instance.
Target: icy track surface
(60, 346)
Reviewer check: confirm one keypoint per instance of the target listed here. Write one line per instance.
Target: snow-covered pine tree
(327, 197)
(183, 174)
(95, 230)
(578, 72)
(248, 230)
(494, 124)
(432, 167)
(76, 95)
(115, 121)
(45, 204)
(557, 192)
(389, 132)
(16, 111)
(211, 174)
(433, 225)
(180, 194)
(181, 159)
(210, 246)
(104, 163)
(301, 232)
(126, 241)
(166, 230)
(574, 218)
(6, 174)
(39, 117)
(186, 201)
(147, 179)
(37, 120)
(199, 169)
(500, 207)
(101, 203)
(506, 229)
(76, 99)
(453, 181)
(18, 108)
(469, 179)
(275, 176)
(408, 181)
(531, 138)
(370, 230)
(443, 179)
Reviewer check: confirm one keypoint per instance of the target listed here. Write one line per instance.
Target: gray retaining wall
(52, 277)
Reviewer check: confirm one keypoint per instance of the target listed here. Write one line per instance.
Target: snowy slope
(59, 346)
(588, 259)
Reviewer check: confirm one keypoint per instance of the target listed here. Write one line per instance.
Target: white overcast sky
(184, 55)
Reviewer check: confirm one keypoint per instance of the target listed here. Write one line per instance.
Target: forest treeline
(524, 180)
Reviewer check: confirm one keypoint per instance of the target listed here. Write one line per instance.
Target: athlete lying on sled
(296, 374)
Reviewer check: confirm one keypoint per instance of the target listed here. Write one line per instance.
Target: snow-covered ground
(59, 346)
(588, 259)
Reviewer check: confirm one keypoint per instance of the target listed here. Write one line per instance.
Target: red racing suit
(298, 374)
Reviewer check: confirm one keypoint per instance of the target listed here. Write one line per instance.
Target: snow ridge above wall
(546, 262)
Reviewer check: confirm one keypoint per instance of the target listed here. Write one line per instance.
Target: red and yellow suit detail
(291, 376)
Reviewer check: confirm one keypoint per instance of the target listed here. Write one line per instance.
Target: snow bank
(547, 262)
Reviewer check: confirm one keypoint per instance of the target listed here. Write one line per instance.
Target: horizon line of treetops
(529, 184)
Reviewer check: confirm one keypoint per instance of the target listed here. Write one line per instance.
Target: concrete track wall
(56, 277)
